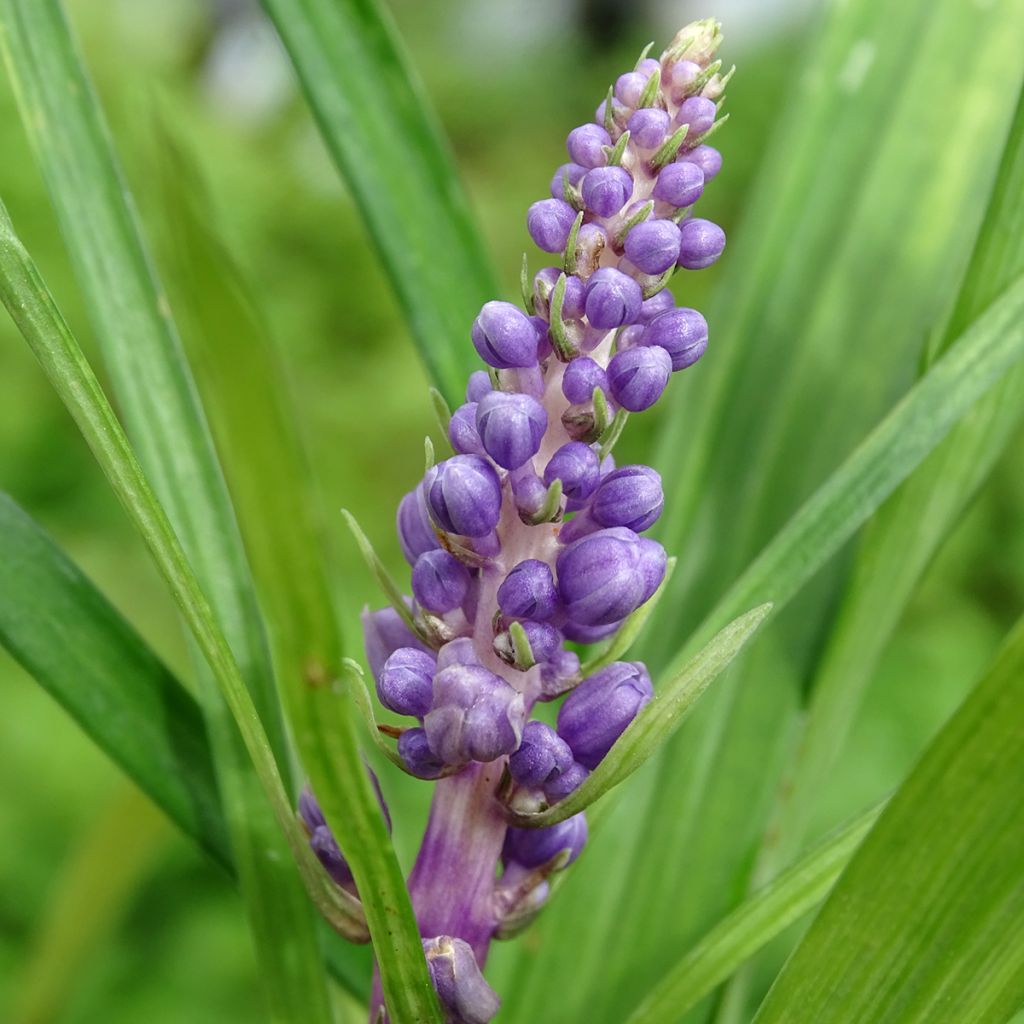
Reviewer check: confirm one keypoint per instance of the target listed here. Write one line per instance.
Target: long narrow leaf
(380, 129)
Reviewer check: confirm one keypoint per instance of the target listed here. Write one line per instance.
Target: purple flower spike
(460, 986)
(478, 386)
(653, 245)
(679, 184)
(533, 847)
(598, 711)
(462, 430)
(638, 376)
(698, 113)
(476, 715)
(648, 127)
(631, 496)
(702, 242)
(602, 578)
(656, 305)
(542, 756)
(439, 582)
(384, 632)
(575, 174)
(415, 532)
(549, 222)
(585, 145)
(406, 683)
(505, 337)
(606, 190)
(613, 299)
(629, 87)
(464, 495)
(576, 464)
(417, 756)
(511, 427)
(580, 379)
(707, 158)
(682, 333)
(528, 591)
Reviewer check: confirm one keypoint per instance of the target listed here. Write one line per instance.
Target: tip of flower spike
(697, 41)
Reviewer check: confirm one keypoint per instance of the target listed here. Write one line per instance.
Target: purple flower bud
(528, 591)
(406, 683)
(460, 985)
(707, 158)
(417, 756)
(511, 427)
(504, 336)
(542, 754)
(619, 112)
(415, 532)
(589, 634)
(549, 222)
(476, 715)
(464, 494)
(648, 66)
(606, 190)
(598, 711)
(478, 386)
(653, 245)
(439, 582)
(631, 496)
(576, 464)
(613, 298)
(656, 305)
(653, 562)
(629, 87)
(544, 283)
(648, 127)
(582, 375)
(679, 184)
(545, 641)
(575, 174)
(559, 673)
(681, 77)
(384, 632)
(698, 113)
(562, 785)
(459, 651)
(638, 376)
(462, 430)
(702, 242)
(585, 145)
(682, 333)
(528, 490)
(533, 847)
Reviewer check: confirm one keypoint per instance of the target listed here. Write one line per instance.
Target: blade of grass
(752, 924)
(927, 922)
(385, 139)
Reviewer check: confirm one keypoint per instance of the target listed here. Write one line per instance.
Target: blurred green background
(167, 939)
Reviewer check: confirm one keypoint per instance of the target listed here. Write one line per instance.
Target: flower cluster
(529, 538)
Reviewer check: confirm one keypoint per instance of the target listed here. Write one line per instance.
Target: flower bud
(542, 755)
(707, 158)
(560, 786)
(679, 184)
(549, 222)
(511, 426)
(439, 582)
(598, 711)
(558, 674)
(462, 430)
(631, 496)
(648, 128)
(657, 304)
(639, 376)
(582, 375)
(533, 847)
(464, 494)
(576, 464)
(682, 75)
(606, 190)
(571, 171)
(416, 755)
(384, 632)
(406, 685)
(629, 87)
(528, 592)
(580, 634)
(613, 298)
(698, 113)
(504, 336)
(701, 243)
(682, 333)
(479, 384)
(586, 145)
(476, 715)
(415, 532)
(459, 651)
(653, 245)
(460, 985)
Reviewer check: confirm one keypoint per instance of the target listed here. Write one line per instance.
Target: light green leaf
(385, 139)
(751, 925)
(672, 702)
(927, 922)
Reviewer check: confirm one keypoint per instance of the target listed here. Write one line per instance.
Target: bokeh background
(202, 101)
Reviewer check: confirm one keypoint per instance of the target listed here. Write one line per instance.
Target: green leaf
(751, 925)
(927, 922)
(386, 141)
(672, 702)
(65, 633)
